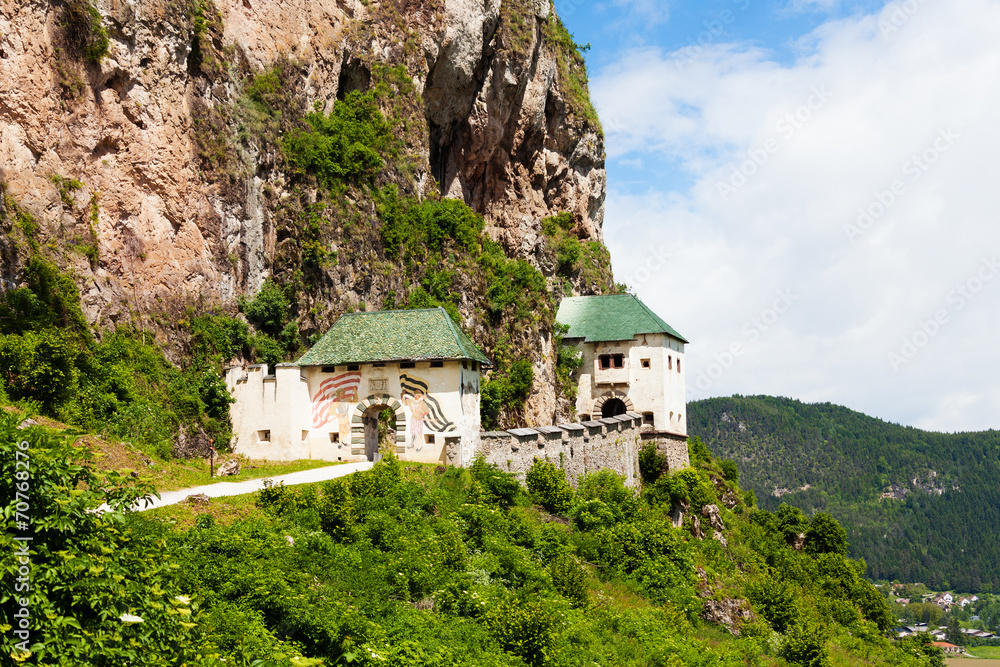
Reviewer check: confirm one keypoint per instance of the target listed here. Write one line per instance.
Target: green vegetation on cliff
(917, 506)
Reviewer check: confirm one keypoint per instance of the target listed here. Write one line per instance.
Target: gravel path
(249, 486)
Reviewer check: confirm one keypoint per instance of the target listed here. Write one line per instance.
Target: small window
(379, 364)
(618, 360)
(645, 363)
(678, 365)
(329, 369)
(305, 435)
(429, 439)
(437, 364)
(670, 363)
(407, 364)
(264, 436)
(465, 365)
(354, 367)
(335, 438)
(647, 418)
(585, 418)
(605, 361)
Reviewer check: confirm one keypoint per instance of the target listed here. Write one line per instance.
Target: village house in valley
(417, 363)
(633, 361)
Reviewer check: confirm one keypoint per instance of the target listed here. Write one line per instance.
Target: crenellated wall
(578, 449)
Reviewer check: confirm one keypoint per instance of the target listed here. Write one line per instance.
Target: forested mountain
(917, 506)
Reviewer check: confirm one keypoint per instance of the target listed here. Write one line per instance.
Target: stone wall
(578, 449)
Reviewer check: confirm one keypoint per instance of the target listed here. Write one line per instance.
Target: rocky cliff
(145, 140)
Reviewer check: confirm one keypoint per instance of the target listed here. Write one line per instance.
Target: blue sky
(805, 190)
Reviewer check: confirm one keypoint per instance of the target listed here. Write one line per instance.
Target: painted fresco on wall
(424, 410)
(334, 399)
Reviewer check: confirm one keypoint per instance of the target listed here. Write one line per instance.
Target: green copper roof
(607, 318)
(392, 335)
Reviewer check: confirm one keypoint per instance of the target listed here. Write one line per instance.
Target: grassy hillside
(420, 565)
(917, 506)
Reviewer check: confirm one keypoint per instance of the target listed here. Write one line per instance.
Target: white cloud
(785, 159)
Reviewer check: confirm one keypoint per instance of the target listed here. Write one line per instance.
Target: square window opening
(305, 435)
(647, 418)
(407, 364)
(618, 360)
(428, 439)
(645, 363)
(437, 364)
(328, 369)
(354, 367)
(605, 361)
(335, 438)
(264, 436)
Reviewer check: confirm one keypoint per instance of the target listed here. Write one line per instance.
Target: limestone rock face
(501, 134)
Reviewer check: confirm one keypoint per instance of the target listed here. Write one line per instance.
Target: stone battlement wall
(613, 443)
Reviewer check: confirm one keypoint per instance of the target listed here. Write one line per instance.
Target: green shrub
(791, 522)
(89, 569)
(687, 486)
(523, 627)
(268, 311)
(591, 514)
(698, 452)
(85, 36)
(609, 487)
(806, 645)
(774, 599)
(730, 471)
(501, 487)
(652, 463)
(548, 484)
(40, 366)
(336, 510)
(569, 577)
(505, 388)
(345, 146)
(825, 535)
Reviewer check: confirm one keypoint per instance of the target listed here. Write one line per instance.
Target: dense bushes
(121, 384)
(548, 484)
(419, 566)
(505, 388)
(344, 146)
(101, 592)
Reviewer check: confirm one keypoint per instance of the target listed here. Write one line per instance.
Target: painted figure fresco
(424, 409)
(334, 397)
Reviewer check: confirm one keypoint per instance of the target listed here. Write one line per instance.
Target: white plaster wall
(660, 389)
(285, 407)
(276, 405)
